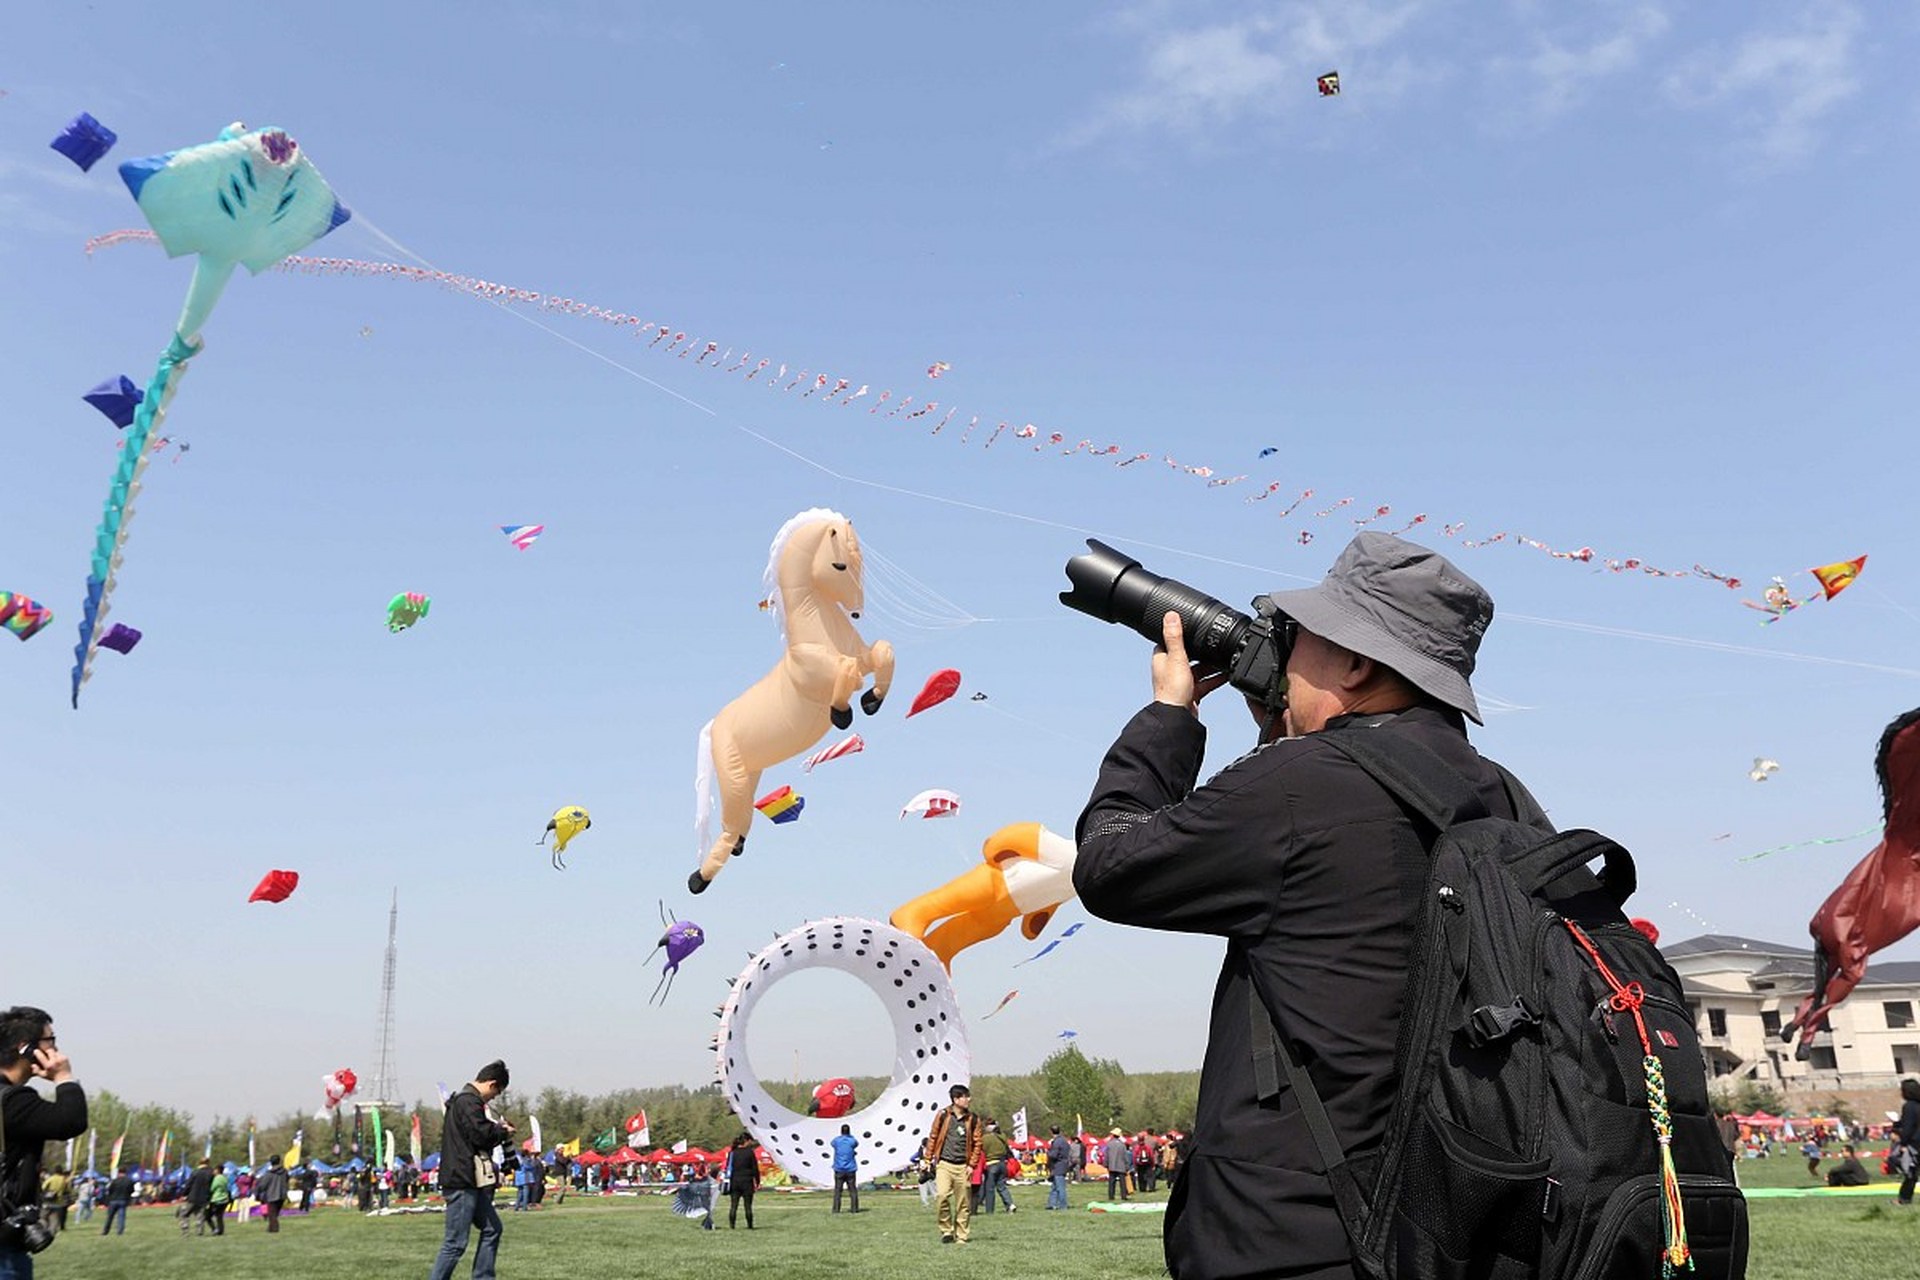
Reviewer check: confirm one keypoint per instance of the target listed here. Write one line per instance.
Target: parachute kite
(22, 616)
(682, 939)
(1879, 902)
(275, 886)
(816, 587)
(1028, 873)
(85, 140)
(781, 806)
(248, 198)
(1005, 1000)
(940, 686)
(338, 1087)
(853, 744)
(522, 535)
(406, 609)
(832, 1099)
(933, 803)
(566, 823)
(117, 399)
(120, 638)
(1068, 933)
(1763, 769)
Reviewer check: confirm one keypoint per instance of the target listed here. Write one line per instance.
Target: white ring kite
(929, 1046)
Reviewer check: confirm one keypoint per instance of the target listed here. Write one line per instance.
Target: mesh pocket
(1467, 1207)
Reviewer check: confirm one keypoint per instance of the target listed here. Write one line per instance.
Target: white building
(1742, 991)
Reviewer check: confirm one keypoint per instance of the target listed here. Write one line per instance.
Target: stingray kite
(275, 886)
(940, 686)
(250, 198)
(1879, 902)
(522, 535)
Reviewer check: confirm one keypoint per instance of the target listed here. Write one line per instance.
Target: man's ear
(1357, 672)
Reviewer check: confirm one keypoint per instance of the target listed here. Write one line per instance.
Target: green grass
(797, 1238)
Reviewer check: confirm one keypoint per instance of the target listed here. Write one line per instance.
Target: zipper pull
(1450, 899)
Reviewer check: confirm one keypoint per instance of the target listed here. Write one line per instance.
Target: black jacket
(465, 1134)
(30, 1122)
(271, 1186)
(1313, 875)
(199, 1188)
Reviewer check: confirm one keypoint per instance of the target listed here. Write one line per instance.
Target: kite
(937, 368)
(694, 1200)
(84, 141)
(832, 1099)
(1067, 1035)
(248, 198)
(1778, 600)
(978, 697)
(522, 535)
(406, 609)
(1027, 873)
(1267, 452)
(120, 638)
(1879, 901)
(117, 399)
(1328, 84)
(851, 745)
(1873, 830)
(782, 805)
(22, 616)
(1763, 769)
(338, 1087)
(681, 939)
(815, 579)
(567, 822)
(275, 886)
(940, 686)
(1005, 1000)
(933, 803)
(1068, 933)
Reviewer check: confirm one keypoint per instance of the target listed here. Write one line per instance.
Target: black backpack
(1539, 1030)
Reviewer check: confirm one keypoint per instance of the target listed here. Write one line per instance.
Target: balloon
(1028, 873)
(567, 822)
(940, 686)
(815, 588)
(275, 886)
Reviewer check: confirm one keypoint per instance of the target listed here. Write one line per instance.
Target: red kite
(275, 886)
(940, 686)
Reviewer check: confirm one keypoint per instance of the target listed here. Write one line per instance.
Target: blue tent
(356, 1164)
(431, 1162)
(321, 1166)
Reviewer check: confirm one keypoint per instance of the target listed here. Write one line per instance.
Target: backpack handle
(1570, 852)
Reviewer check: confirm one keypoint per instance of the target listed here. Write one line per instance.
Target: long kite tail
(703, 790)
(109, 540)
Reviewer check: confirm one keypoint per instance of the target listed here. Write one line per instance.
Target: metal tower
(385, 1091)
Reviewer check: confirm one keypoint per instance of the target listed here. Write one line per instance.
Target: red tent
(1761, 1120)
(625, 1155)
(590, 1157)
(658, 1154)
(692, 1155)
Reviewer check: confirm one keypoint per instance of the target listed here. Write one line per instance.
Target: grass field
(797, 1238)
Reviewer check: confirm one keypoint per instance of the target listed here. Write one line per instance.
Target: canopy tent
(590, 1157)
(692, 1155)
(1762, 1120)
(431, 1162)
(625, 1155)
(658, 1155)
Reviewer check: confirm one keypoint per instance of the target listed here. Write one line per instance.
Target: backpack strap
(1433, 790)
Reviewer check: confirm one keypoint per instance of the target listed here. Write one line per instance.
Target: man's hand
(1179, 681)
(51, 1064)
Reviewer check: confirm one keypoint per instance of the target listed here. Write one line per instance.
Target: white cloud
(1558, 75)
(1783, 84)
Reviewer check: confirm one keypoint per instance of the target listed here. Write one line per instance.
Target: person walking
(1118, 1157)
(1906, 1131)
(270, 1189)
(199, 1194)
(846, 1167)
(118, 1195)
(56, 1193)
(467, 1174)
(954, 1148)
(995, 1149)
(1059, 1166)
(743, 1178)
(219, 1196)
(87, 1190)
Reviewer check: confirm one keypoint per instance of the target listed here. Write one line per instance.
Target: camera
(26, 1223)
(1252, 651)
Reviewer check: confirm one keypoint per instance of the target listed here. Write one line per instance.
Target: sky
(1633, 277)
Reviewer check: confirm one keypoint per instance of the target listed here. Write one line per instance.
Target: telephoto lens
(1115, 588)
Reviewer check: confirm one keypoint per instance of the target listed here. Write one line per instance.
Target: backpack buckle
(1490, 1024)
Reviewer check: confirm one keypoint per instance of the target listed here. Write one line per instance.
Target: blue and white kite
(522, 535)
(1068, 932)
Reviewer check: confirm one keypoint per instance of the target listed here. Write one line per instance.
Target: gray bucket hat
(1406, 607)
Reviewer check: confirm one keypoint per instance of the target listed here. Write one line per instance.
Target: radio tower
(385, 1092)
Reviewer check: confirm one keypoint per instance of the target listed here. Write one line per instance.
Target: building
(1742, 991)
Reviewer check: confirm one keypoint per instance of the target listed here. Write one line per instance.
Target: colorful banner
(113, 1157)
(415, 1139)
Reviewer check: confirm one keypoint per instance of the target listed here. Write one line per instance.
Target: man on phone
(467, 1174)
(29, 1050)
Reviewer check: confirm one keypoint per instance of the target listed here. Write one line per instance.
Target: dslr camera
(33, 1233)
(1252, 651)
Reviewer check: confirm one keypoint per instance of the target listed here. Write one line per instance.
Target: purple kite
(117, 398)
(84, 141)
(120, 638)
(682, 939)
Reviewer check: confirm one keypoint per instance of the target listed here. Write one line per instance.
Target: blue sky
(1629, 276)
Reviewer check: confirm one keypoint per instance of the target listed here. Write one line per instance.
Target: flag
(113, 1157)
(91, 1135)
(1838, 576)
(680, 1147)
(416, 1139)
(208, 1153)
(1079, 1124)
(639, 1133)
(570, 1148)
(70, 1152)
(606, 1141)
(293, 1152)
(533, 1123)
(252, 1160)
(1020, 1125)
(160, 1156)
(379, 1139)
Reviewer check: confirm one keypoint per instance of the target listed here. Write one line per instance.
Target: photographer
(28, 1049)
(1304, 864)
(467, 1174)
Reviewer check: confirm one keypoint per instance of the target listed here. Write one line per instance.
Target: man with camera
(29, 1050)
(1306, 866)
(467, 1173)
